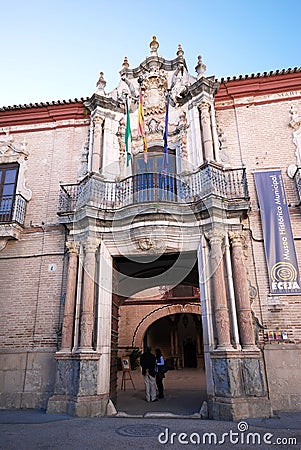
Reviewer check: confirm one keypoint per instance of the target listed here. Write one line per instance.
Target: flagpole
(128, 133)
(141, 130)
(165, 137)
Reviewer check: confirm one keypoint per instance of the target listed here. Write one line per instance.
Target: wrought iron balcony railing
(12, 209)
(230, 184)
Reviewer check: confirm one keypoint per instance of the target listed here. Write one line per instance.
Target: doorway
(179, 336)
(166, 316)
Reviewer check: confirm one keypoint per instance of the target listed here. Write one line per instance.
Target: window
(8, 183)
(150, 184)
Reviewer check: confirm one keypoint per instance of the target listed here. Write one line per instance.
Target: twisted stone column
(241, 287)
(87, 316)
(220, 310)
(68, 321)
(206, 131)
(97, 144)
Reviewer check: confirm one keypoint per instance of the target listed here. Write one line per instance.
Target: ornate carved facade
(101, 239)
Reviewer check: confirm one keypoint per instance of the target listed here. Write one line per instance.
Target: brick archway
(167, 310)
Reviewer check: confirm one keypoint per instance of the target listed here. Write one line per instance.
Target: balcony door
(150, 183)
(8, 183)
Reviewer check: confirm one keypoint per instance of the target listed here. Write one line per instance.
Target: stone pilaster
(68, 321)
(206, 131)
(242, 292)
(104, 319)
(220, 312)
(87, 316)
(97, 144)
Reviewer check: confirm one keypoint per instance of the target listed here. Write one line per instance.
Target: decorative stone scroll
(10, 153)
(182, 130)
(295, 124)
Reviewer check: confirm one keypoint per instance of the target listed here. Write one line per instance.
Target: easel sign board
(125, 361)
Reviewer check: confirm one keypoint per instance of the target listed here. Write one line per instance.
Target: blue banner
(278, 238)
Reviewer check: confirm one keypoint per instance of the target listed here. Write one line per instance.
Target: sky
(54, 49)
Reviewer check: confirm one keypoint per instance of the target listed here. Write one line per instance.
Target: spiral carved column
(87, 316)
(242, 292)
(221, 312)
(68, 321)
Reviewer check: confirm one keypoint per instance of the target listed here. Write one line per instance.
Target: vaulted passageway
(165, 316)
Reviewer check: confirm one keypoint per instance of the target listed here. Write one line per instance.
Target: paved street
(33, 430)
(173, 422)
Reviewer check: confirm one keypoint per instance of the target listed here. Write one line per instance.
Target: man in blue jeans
(148, 365)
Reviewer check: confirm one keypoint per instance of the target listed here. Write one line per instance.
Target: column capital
(91, 245)
(98, 120)
(215, 236)
(237, 237)
(72, 247)
(204, 105)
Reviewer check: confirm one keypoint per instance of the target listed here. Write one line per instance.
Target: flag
(165, 138)
(128, 134)
(141, 131)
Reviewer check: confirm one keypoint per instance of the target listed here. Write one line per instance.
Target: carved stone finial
(154, 45)
(125, 64)
(180, 51)
(101, 83)
(200, 68)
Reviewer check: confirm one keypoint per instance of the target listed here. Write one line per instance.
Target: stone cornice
(42, 113)
(105, 103)
(258, 85)
(168, 65)
(206, 84)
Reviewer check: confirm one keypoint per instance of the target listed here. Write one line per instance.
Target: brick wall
(259, 136)
(33, 269)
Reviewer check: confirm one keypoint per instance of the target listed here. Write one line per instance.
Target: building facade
(107, 247)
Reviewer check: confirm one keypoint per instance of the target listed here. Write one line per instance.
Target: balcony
(12, 209)
(12, 216)
(211, 179)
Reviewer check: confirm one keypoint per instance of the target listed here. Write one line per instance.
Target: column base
(225, 348)
(75, 390)
(239, 388)
(250, 348)
(79, 407)
(239, 408)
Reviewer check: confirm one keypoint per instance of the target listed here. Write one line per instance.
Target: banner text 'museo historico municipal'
(277, 232)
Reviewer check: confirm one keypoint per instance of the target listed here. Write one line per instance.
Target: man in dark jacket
(148, 365)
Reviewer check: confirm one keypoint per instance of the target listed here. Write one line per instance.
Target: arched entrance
(178, 333)
(169, 318)
(179, 336)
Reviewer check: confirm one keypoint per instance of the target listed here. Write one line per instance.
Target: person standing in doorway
(148, 365)
(160, 370)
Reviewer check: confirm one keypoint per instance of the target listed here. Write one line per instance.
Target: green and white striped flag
(128, 134)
